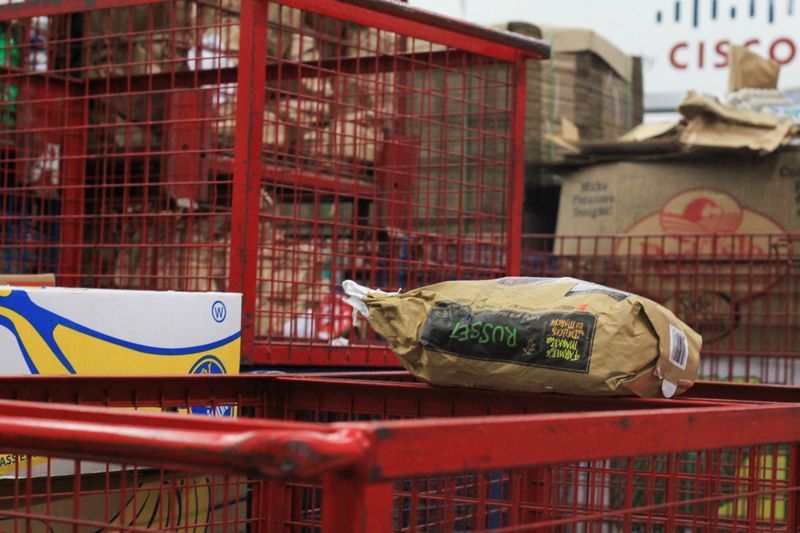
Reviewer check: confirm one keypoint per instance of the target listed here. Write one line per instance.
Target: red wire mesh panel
(385, 158)
(705, 490)
(675, 466)
(741, 292)
(108, 135)
(694, 490)
(270, 148)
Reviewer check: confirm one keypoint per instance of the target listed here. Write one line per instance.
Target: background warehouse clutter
(383, 157)
(272, 151)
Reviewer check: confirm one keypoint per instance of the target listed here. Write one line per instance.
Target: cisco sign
(782, 50)
(691, 40)
(757, 15)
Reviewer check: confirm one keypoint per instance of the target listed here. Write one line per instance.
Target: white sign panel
(684, 43)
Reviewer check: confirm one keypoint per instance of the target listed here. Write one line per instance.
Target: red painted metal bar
(139, 391)
(377, 375)
(75, 140)
(33, 411)
(353, 505)
(430, 447)
(356, 394)
(742, 392)
(289, 353)
(429, 26)
(793, 511)
(420, 400)
(387, 393)
(396, 16)
(300, 179)
(387, 450)
(247, 163)
(536, 48)
(35, 8)
(279, 449)
(324, 68)
(517, 188)
(711, 390)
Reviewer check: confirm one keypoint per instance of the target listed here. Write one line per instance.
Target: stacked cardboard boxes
(589, 89)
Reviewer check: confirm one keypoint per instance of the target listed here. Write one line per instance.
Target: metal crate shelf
(270, 148)
(377, 453)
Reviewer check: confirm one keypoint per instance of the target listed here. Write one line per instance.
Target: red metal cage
(361, 453)
(741, 292)
(273, 148)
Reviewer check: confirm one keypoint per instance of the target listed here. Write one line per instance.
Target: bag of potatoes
(534, 334)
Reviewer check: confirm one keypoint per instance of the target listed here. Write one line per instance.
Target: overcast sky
(683, 42)
(580, 13)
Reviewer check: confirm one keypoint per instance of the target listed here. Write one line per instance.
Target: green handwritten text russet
(484, 333)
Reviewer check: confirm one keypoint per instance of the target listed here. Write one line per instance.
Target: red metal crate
(273, 148)
(741, 292)
(649, 465)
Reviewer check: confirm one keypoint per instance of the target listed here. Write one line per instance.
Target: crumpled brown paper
(749, 70)
(711, 124)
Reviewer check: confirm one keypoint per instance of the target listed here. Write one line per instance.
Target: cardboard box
(704, 257)
(108, 332)
(55, 330)
(28, 280)
(161, 502)
(588, 81)
(744, 193)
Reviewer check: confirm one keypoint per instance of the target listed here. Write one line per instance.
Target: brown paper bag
(749, 70)
(535, 334)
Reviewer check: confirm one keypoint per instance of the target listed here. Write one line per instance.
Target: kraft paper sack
(534, 334)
